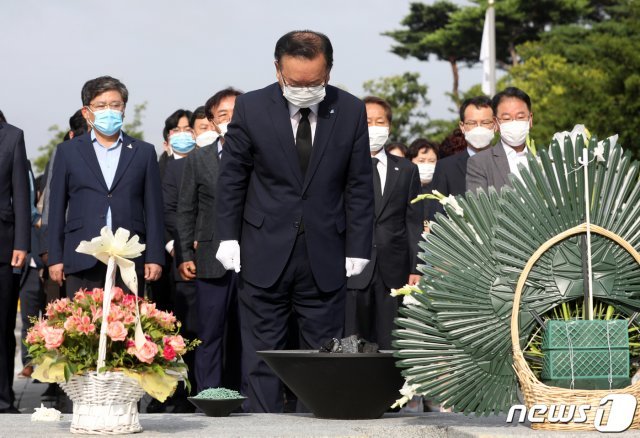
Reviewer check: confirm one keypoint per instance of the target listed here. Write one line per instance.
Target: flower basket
(104, 404)
(106, 348)
(536, 392)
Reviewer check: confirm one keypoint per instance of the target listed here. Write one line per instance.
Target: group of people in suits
(281, 204)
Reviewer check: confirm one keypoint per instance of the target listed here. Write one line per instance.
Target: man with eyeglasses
(478, 125)
(104, 178)
(512, 110)
(294, 207)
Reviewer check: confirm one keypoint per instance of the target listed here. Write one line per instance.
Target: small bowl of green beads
(217, 402)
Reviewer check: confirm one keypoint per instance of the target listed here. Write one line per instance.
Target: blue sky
(175, 54)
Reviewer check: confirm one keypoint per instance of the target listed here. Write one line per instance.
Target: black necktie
(377, 184)
(303, 139)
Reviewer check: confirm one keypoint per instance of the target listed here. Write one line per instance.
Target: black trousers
(95, 277)
(265, 320)
(370, 312)
(8, 312)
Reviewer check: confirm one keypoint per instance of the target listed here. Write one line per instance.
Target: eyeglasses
(100, 106)
(519, 118)
(470, 124)
(179, 130)
(289, 84)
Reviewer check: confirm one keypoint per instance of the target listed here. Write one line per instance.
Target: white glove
(355, 266)
(229, 255)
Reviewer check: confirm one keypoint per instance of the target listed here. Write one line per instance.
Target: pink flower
(71, 323)
(34, 335)
(168, 353)
(176, 342)
(62, 305)
(117, 293)
(84, 325)
(97, 294)
(165, 319)
(96, 312)
(129, 318)
(116, 313)
(53, 337)
(147, 352)
(117, 331)
(148, 309)
(129, 301)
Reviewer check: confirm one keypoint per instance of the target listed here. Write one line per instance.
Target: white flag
(485, 57)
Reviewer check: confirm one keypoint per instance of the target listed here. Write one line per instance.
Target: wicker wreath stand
(535, 392)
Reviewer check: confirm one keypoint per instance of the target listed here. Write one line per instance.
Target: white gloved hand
(229, 255)
(355, 266)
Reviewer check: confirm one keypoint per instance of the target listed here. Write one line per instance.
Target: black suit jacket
(79, 200)
(397, 228)
(263, 197)
(170, 195)
(197, 213)
(15, 210)
(449, 178)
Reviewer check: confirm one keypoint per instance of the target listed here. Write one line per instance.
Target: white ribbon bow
(115, 251)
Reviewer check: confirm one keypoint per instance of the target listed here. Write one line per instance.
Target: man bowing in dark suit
(15, 226)
(104, 178)
(478, 126)
(396, 232)
(294, 206)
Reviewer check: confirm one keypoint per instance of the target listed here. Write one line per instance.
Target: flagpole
(491, 17)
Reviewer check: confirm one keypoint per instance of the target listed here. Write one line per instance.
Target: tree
(407, 98)
(133, 128)
(586, 74)
(453, 33)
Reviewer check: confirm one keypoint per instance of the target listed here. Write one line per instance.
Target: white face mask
(304, 97)
(514, 133)
(479, 137)
(223, 128)
(426, 172)
(378, 136)
(206, 138)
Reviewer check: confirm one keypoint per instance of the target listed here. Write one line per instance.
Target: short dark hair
(304, 44)
(173, 120)
(199, 113)
(383, 103)
(3, 119)
(508, 93)
(403, 148)
(97, 86)
(215, 100)
(478, 102)
(421, 144)
(453, 144)
(77, 125)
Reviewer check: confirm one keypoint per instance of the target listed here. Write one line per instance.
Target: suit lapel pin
(129, 146)
(395, 168)
(332, 111)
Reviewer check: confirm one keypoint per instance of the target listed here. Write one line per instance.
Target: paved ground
(438, 425)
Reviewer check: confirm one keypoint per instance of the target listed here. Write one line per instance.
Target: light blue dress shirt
(108, 159)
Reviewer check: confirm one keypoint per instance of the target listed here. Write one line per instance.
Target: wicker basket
(104, 404)
(534, 391)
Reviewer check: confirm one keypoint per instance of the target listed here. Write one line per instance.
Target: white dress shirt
(294, 113)
(516, 158)
(382, 167)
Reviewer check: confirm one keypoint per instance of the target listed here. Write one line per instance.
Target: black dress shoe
(10, 410)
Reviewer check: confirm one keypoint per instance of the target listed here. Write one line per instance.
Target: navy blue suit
(15, 227)
(80, 198)
(294, 230)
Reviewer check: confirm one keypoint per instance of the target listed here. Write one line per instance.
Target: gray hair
(97, 86)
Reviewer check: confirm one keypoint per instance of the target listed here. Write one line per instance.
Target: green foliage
(407, 97)
(57, 137)
(132, 127)
(574, 66)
